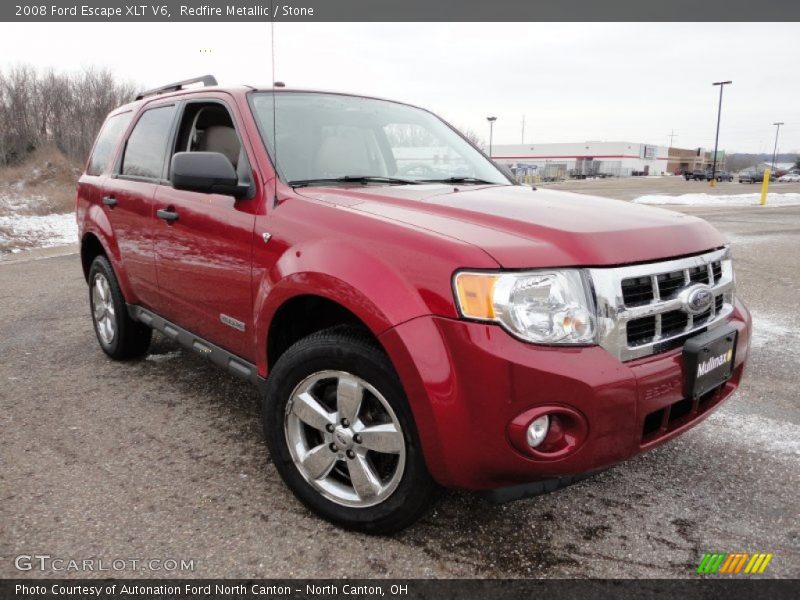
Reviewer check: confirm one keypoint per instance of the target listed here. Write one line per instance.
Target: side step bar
(218, 356)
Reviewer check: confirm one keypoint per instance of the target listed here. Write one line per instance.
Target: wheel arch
(342, 279)
(302, 315)
(91, 248)
(98, 239)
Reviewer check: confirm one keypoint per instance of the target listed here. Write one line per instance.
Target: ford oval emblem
(697, 299)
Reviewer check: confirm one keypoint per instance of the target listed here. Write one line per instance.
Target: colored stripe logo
(734, 563)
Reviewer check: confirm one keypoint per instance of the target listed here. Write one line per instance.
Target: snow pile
(24, 231)
(787, 199)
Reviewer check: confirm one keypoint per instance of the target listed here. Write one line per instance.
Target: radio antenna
(274, 108)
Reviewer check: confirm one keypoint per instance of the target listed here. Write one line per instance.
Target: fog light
(537, 431)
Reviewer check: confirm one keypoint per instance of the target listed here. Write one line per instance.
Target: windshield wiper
(459, 180)
(351, 179)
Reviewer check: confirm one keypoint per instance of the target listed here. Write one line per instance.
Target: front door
(204, 241)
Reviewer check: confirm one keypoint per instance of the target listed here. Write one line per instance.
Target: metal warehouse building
(587, 159)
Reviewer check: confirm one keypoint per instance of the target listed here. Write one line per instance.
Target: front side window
(107, 140)
(208, 127)
(329, 136)
(147, 145)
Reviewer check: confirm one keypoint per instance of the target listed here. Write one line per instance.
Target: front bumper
(467, 381)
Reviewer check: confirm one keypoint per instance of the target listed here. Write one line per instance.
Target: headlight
(545, 307)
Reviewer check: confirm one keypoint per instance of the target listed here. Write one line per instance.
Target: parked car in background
(696, 175)
(789, 178)
(754, 176)
(721, 176)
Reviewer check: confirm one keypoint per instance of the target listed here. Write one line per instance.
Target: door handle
(109, 201)
(167, 214)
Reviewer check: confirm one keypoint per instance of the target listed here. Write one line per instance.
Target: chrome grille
(639, 309)
(669, 284)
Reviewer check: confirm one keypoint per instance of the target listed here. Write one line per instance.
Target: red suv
(413, 318)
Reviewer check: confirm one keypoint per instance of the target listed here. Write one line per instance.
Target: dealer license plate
(708, 360)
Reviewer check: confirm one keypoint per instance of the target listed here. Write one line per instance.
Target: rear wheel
(342, 436)
(119, 336)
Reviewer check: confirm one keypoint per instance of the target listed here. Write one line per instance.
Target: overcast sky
(573, 82)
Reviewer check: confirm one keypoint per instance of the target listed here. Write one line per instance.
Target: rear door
(92, 183)
(128, 198)
(204, 246)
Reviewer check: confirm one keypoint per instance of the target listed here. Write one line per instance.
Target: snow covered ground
(18, 232)
(771, 329)
(780, 438)
(773, 199)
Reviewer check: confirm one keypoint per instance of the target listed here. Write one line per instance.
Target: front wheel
(342, 436)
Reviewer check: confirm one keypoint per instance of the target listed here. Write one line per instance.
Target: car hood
(525, 228)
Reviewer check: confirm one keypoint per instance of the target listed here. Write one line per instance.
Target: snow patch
(42, 231)
(777, 437)
(20, 204)
(768, 330)
(757, 238)
(158, 358)
(787, 199)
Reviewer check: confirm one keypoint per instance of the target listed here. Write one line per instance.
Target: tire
(119, 336)
(329, 367)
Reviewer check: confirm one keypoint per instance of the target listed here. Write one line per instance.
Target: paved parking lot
(164, 458)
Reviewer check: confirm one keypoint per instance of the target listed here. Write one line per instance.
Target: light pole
(491, 131)
(721, 85)
(775, 150)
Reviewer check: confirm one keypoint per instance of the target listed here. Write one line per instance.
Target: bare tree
(46, 108)
(472, 136)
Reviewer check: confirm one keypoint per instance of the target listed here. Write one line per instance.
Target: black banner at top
(398, 10)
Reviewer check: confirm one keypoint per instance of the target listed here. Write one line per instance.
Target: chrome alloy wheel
(103, 306)
(345, 439)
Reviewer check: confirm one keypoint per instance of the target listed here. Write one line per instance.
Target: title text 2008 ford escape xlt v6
(413, 319)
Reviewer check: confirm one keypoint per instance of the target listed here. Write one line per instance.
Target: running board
(219, 356)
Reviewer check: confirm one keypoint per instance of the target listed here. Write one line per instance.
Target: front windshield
(329, 136)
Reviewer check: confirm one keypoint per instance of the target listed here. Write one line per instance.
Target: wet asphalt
(163, 458)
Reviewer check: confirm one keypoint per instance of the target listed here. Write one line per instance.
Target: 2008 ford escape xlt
(412, 317)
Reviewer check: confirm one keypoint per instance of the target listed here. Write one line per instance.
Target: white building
(780, 167)
(587, 159)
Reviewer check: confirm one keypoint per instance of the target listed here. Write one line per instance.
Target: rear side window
(147, 145)
(107, 140)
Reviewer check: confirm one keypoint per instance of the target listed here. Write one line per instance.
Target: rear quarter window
(107, 141)
(146, 149)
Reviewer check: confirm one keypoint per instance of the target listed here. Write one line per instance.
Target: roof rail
(206, 80)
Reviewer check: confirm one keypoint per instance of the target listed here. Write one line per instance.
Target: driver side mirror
(206, 172)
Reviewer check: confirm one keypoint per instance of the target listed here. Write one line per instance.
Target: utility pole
(775, 150)
(721, 85)
(522, 139)
(491, 131)
(672, 135)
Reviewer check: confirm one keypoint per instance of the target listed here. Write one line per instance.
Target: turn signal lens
(475, 294)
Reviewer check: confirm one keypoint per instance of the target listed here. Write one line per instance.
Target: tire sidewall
(368, 363)
(101, 266)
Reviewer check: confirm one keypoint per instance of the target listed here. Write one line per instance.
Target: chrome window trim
(613, 316)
